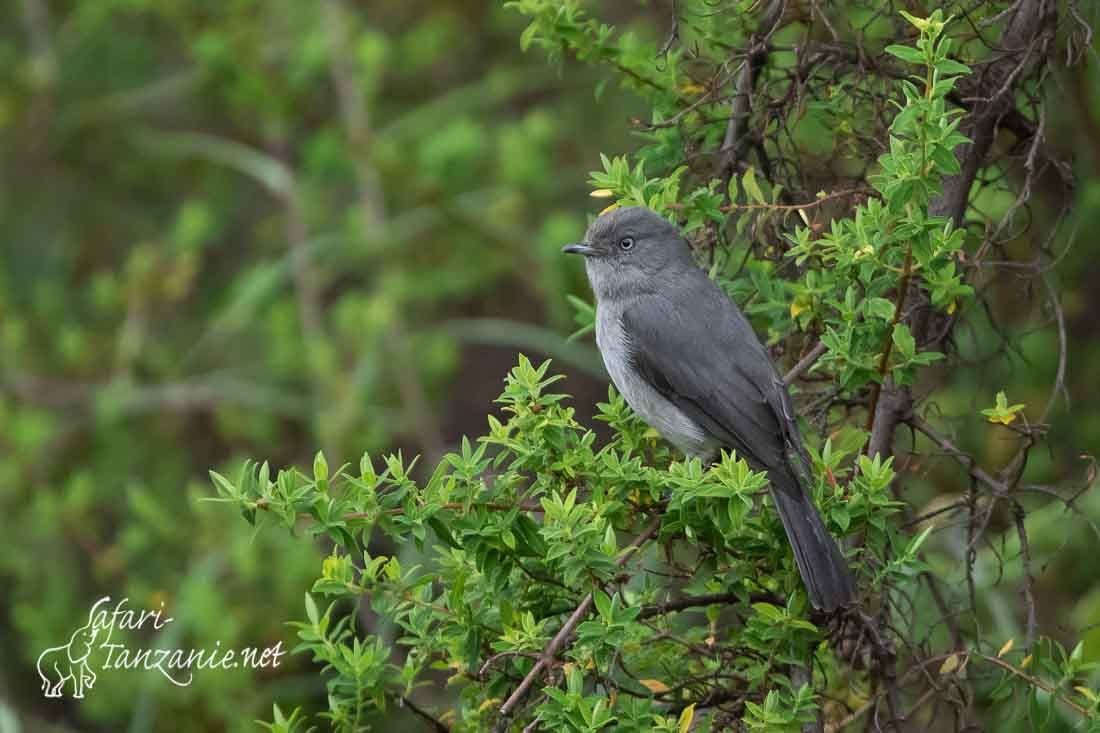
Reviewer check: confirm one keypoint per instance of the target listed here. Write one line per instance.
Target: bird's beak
(579, 248)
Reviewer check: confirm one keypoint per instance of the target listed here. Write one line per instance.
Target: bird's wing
(699, 351)
(706, 359)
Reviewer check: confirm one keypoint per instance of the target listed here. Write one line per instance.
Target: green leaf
(904, 341)
(879, 308)
(224, 485)
(603, 603)
(732, 188)
(311, 610)
(748, 182)
(916, 542)
(443, 532)
(1002, 412)
(1040, 708)
(906, 53)
(841, 516)
(768, 611)
(921, 24)
(950, 66)
(320, 467)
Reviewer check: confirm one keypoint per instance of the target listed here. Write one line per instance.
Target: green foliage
(513, 537)
(514, 532)
(1002, 412)
(231, 205)
(270, 228)
(1034, 683)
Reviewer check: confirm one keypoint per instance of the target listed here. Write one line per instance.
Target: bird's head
(629, 249)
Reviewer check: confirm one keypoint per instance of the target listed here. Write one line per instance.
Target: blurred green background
(232, 228)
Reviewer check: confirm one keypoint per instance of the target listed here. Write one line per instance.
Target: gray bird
(687, 361)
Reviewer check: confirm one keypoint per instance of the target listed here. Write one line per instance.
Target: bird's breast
(654, 408)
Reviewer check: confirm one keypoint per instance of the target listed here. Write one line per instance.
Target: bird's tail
(822, 566)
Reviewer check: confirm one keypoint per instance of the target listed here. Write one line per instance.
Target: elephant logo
(67, 663)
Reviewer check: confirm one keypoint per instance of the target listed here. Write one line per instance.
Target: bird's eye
(626, 243)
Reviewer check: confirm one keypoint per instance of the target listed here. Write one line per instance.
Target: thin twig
(1033, 681)
(796, 207)
(503, 655)
(736, 140)
(805, 363)
(965, 460)
(550, 653)
(682, 604)
(1029, 578)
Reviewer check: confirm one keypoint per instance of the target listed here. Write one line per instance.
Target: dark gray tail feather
(822, 566)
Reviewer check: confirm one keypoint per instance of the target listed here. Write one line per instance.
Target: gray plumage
(687, 361)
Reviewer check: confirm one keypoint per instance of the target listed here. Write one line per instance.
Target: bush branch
(550, 653)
